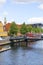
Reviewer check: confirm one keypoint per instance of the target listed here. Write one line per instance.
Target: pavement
(2, 43)
(4, 49)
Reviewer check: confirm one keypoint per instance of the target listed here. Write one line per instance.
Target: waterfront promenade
(17, 41)
(22, 55)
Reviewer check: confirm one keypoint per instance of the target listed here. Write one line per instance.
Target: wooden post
(26, 41)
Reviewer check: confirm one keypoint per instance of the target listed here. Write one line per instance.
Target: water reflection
(22, 56)
(38, 44)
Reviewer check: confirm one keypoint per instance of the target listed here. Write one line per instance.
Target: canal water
(23, 55)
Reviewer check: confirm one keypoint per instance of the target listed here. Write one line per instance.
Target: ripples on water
(38, 44)
(23, 56)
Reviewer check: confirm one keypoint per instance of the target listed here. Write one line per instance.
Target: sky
(28, 11)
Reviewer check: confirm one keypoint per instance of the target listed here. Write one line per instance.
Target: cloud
(40, 6)
(5, 13)
(35, 20)
(26, 1)
(2, 2)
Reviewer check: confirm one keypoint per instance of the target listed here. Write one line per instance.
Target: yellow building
(2, 32)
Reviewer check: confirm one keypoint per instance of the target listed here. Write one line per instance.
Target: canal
(23, 55)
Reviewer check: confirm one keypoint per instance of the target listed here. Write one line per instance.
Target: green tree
(29, 28)
(23, 29)
(13, 29)
(42, 30)
(37, 30)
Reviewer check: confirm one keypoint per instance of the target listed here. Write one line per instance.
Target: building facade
(2, 32)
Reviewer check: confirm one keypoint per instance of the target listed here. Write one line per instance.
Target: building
(36, 25)
(7, 27)
(2, 32)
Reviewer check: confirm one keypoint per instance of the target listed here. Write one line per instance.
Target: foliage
(23, 29)
(41, 30)
(37, 30)
(13, 29)
(29, 28)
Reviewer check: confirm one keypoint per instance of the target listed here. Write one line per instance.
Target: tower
(5, 21)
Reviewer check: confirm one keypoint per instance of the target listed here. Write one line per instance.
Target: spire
(5, 21)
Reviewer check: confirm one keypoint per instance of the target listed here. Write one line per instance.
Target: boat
(33, 35)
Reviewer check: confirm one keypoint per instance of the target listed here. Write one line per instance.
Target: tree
(29, 28)
(13, 29)
(23, 29)
(37, 30)
(41, 30)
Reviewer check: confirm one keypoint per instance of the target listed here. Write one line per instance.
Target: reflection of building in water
(2, 32)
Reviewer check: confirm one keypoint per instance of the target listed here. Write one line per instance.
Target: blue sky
(28, 11)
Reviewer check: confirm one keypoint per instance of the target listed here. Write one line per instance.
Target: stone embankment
(3, 43)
